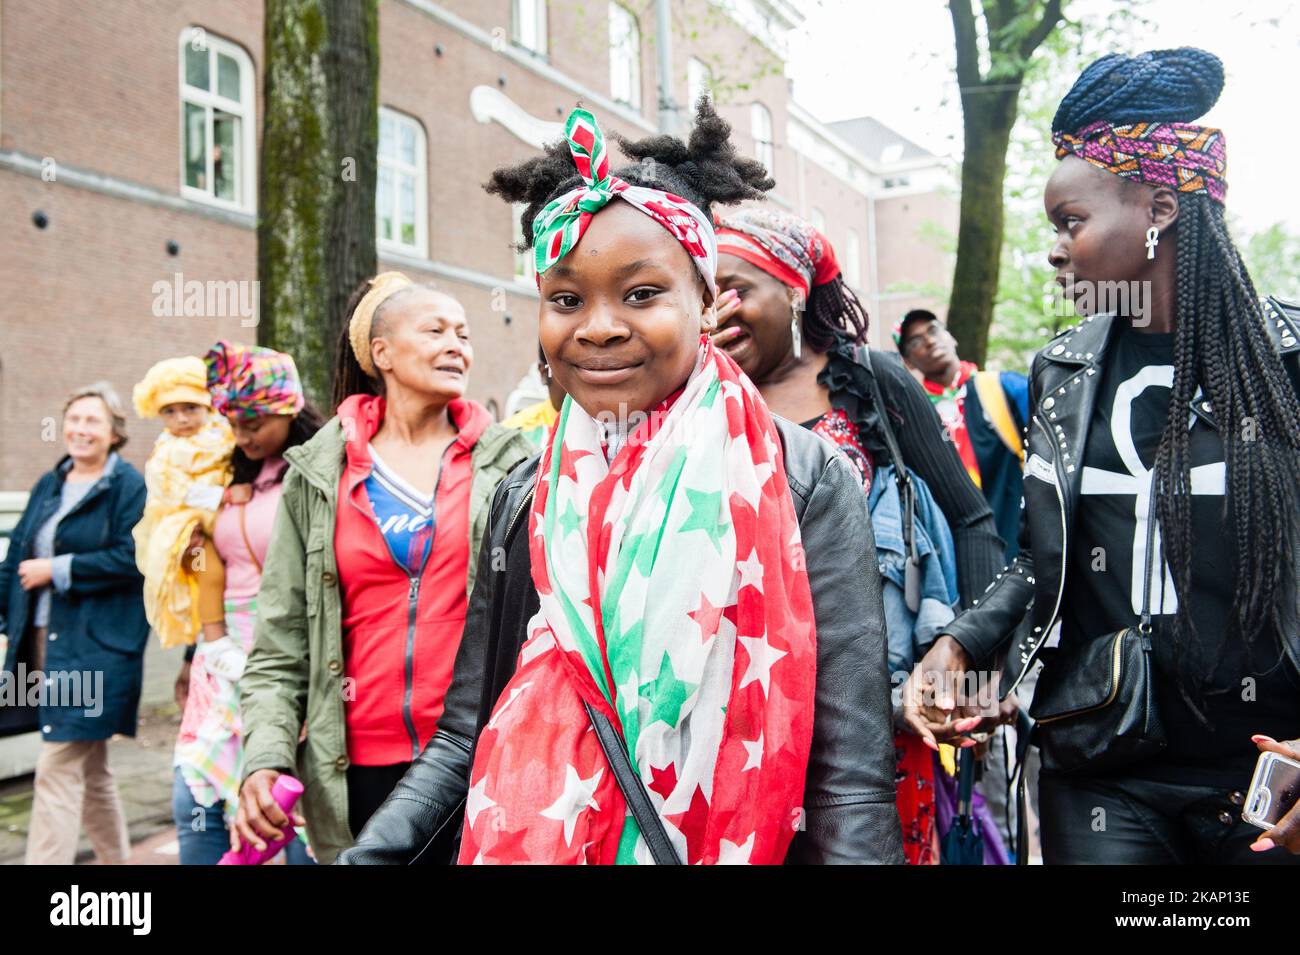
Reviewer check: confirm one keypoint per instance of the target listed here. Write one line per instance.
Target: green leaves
(1271, 257)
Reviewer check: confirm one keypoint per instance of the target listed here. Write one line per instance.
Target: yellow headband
(382, 287)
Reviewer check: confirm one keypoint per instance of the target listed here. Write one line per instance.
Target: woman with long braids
(1161, 485)
(686, 575)
(370, 566)
(786, 316)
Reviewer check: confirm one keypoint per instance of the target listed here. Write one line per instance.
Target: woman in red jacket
(411, 463)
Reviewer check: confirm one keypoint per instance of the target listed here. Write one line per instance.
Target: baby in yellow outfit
(186, 477)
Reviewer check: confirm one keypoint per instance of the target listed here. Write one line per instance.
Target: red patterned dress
(914, 773)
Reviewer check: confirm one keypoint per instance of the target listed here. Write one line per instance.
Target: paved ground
(143, 769)
(158, 849)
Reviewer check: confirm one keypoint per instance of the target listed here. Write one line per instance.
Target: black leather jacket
(849, 801)
(1024, 601)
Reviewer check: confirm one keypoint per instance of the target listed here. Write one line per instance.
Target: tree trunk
(316, 228)
(987, 119)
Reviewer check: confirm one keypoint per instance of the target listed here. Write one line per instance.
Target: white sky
(893, 59)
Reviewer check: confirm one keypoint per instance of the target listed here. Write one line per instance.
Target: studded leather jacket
(1018, 611)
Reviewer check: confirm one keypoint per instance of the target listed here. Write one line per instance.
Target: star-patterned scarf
(563, 220)
(674, 598)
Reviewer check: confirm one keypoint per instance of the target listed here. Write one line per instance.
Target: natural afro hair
(705, 170)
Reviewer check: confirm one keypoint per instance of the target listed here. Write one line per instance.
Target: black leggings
(1125, 821)
(368, 787)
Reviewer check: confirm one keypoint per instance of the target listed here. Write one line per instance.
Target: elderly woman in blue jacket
(72, 607)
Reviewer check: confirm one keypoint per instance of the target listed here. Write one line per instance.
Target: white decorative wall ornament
(486, 103)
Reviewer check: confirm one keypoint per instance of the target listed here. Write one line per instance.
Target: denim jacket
(911, 633)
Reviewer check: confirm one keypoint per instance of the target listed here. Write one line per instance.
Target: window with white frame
(760, 127)
(525, 262)
(401, 206)
(528, 24)
(218, 133)
(699, 79)
(624, 56)
(818, 219)
(853, 260)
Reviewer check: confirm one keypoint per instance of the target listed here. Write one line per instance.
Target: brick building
(128, 150)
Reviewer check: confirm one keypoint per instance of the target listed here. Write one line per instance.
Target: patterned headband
(1180, 156)
(252, 381)
(382, 287)
(560, 225)
(787, 248)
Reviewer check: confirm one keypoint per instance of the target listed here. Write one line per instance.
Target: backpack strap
(988, 385)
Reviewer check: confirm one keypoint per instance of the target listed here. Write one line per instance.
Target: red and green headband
(562, 222)
(784, 246)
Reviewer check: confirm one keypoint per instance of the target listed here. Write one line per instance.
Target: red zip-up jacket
(400, 631)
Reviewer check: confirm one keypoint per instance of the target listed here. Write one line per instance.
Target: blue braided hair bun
(1160, 86)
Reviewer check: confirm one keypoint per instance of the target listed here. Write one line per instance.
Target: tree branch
(997, 14)
(1051, 17)
(968, 57)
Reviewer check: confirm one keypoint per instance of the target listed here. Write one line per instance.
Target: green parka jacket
(294, 673)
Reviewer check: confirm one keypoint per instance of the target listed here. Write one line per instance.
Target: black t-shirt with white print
(1247, 693)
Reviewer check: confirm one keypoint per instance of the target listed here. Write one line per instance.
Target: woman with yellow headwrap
(186, 476)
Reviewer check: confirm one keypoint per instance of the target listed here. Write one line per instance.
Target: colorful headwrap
(1181, 156)
(559, 226)
(1130, 115)
(784, 246)
(249, 381)
(382, 287)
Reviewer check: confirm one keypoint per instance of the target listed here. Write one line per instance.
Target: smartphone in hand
(1274, 789)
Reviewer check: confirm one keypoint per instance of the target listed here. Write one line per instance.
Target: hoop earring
(796, 336)
(1153, 240)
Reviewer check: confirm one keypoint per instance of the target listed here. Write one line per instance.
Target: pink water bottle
(285, 792)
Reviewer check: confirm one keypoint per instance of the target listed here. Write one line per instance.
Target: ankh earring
(1153, 240)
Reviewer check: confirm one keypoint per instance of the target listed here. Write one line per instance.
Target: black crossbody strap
(1024, 739)
(887, 431)
(1144, 622)
(906, 489)
(1022, 805)
(630, 782)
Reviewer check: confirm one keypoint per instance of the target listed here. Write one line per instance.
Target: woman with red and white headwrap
(684, 574)
(787, 317)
